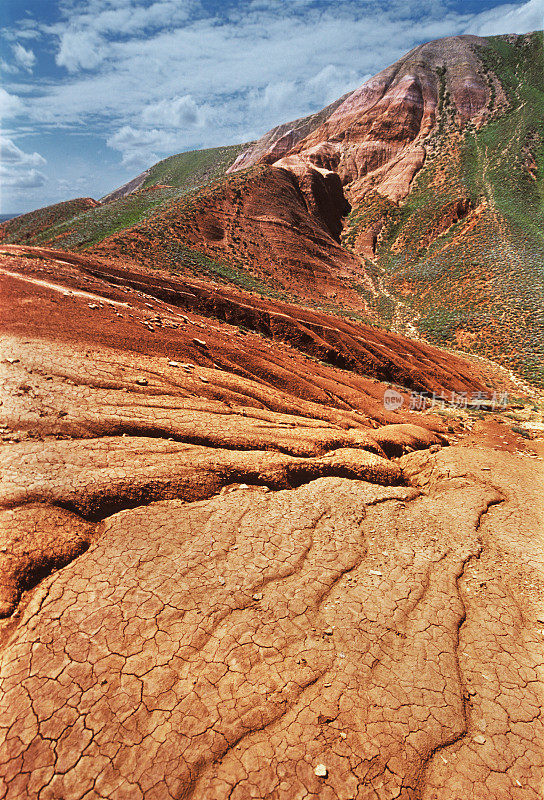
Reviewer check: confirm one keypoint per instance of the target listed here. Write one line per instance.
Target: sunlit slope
(465, 251)
(81, 224)
(24, 228)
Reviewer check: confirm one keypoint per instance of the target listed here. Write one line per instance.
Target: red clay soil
(361, 350)
(280, 226)
(219, 580)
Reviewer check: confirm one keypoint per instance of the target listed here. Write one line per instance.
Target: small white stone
(375, 572)
(321, 771)
(479, 738)
(258, 596)
(174, 364)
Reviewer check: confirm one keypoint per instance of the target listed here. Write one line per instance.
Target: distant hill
(64, 225)
(27, 228)
(416, 201)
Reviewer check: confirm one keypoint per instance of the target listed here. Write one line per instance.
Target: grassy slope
(24, 228)
(479, 284)
(193, 169)
(175, 176)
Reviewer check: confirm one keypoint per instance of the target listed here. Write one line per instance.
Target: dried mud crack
(244, 587)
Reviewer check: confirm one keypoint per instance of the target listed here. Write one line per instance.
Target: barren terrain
(228, 571)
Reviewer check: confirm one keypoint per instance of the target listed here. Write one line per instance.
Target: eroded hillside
(254, 542)
(228, 569)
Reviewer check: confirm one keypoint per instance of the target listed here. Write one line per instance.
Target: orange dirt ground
(227, 571)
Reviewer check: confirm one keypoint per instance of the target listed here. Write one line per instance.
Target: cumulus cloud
(14, 156)
(17, 168)
(129, 138)
(10, 104)
(179, 112)
(139, 146)
(274, 96)
(333, 81)
(23, 57)
(31, 179)
(80, 50)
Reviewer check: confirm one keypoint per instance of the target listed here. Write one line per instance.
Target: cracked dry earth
(214, 589)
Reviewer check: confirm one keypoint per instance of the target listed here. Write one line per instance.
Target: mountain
(442, 159)
(255, 541)
(414, 201)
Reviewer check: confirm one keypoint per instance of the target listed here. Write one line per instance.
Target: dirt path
(63, 289)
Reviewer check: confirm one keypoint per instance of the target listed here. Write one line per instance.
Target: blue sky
(94, 92)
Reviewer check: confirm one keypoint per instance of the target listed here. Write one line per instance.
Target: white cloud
(333, 81)
(128, 138)
(179, 112)
(14, 156)
(128, 17)
(10, 104)
(17, 168)
(24, 58)
(80, 50)
(31, 179)
(84, 35)
(274, 97)
(5, 67)
(510, 19)
(139, 146)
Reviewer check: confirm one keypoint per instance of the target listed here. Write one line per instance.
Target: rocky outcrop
(281, 139)
(375, 138)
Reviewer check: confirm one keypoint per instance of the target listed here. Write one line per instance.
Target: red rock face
(375, 138)
(281, 224)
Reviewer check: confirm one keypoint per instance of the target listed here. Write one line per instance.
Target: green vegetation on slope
(86, 230)
(193, 169)
(465, 251)
(74, 225)
(23, 229)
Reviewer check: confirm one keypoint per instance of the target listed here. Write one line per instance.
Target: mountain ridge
(250, 545)
(405, 146)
